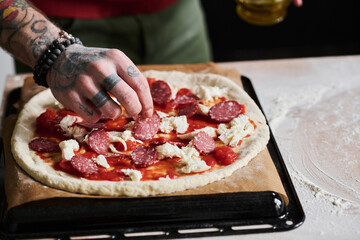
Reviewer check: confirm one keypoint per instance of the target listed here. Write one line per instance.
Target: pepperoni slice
(98, 141)
(189, 109)
(84, 165)
(47, 123)
(225, 155)
(185, 96)
(162, 140)
(204, 143)
(144, 156)
(89, 126)
(225, 111)
(150, 81)
(44, 145)
(146, 128)
(160, 92)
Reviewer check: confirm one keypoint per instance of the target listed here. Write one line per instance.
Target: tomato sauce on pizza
(186, 135)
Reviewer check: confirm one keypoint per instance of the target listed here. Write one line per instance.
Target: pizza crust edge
(35, 167)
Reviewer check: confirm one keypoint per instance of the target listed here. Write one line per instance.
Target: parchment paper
(259, 175)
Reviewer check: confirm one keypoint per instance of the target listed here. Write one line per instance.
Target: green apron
(176, 35)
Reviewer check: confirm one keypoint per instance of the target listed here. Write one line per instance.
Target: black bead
(40, 62)
(49, 62)
(57, 52)
(52, 47)
(53, 57)
(61, 47)
(47, 52)
(37, 67)
(67, 43)
(43, 57)
(56, 42)
(45, 68)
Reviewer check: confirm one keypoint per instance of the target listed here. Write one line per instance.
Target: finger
(126, 96)
(133, 77)
(138, 82)
(100, 99)
(84, 108)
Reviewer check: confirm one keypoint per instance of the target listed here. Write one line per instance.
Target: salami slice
(146, 128)
(185, 96)
(84, 165)
(160, 92)
(144, 156)
(90, 126)
(162, 140)
(204, 143)
(189, 109)
(44, 145)
(98, 141)
(225, 111)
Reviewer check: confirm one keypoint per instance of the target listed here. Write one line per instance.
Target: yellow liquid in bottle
(262, 12)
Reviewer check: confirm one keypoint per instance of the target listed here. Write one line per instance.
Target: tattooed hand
(81, 77)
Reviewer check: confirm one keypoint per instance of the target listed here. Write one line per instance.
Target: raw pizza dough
(24, 132)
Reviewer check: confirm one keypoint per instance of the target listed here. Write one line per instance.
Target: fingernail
(149, 112)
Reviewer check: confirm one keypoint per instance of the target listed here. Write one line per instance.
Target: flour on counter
(283, 104)
(317, 117)
(340, 204)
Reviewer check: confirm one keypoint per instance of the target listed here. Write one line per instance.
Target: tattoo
(43, 39)
(100, 99)
(70, 65)
(14, 16)
(110, 81)
(8, 10)
(20, 26)
(132, 72)
(86, 110)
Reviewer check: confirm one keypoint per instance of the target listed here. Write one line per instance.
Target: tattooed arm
(24, 32)
(81, 77)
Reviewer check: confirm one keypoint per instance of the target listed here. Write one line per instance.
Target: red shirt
(92, 9)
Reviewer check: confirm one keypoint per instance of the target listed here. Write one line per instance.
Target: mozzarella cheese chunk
(68, 147)
(162, 114)
(203, 110)
(71, 130)
(168, 150)
(179, 124)
(134, 175)
(239, 128)
(122, 137)
(208, 93)
(190, 160)
(101, 161)
(209, 130)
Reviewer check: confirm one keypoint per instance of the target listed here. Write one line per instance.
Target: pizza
(204, 128)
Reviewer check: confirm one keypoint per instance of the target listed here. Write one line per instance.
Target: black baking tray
(155, 217)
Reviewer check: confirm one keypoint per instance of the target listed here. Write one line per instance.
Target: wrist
(51, 54)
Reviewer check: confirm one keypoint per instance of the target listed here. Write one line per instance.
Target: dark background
(318, 28)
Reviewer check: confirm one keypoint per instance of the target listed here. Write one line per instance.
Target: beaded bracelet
(49, 56)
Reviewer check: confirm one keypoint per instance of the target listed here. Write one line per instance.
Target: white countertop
(313, 106)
